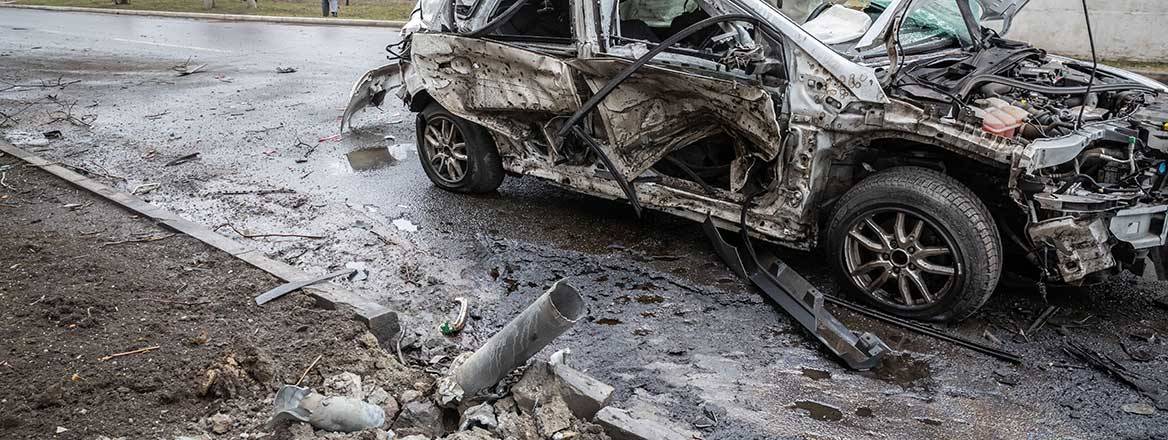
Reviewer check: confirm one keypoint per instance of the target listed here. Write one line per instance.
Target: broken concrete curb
(212, 16)
(621, 425)
(382, 322)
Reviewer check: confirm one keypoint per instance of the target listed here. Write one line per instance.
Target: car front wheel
(457, 155)
(915, 243)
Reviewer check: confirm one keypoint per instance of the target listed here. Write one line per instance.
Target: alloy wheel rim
(901, 259)
(445, 149)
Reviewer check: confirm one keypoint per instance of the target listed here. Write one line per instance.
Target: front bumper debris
(1143, 227)
(1081, 245)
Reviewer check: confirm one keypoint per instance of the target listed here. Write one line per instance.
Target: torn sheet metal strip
(803, 302)
(926, 330)
(284, 289)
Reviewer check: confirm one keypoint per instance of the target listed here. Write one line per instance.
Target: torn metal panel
(1081, 245)
(371, 89)
(493, 84)
(659, 109)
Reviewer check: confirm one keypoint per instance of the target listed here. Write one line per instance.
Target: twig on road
(265, 130)
(44, 84)
(147, 239)
(158, 115)
(306, 370)
(254, 236)
(127, 353)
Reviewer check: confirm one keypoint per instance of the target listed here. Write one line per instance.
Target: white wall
(1124, 29)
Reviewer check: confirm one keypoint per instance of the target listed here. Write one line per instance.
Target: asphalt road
(668, 325)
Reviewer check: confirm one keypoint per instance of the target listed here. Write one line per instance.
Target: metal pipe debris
(335, 414)
(548, 317)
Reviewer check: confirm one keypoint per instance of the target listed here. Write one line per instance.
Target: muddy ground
(83, 279)
(668, 325)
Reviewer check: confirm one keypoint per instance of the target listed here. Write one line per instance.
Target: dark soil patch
(69, 300)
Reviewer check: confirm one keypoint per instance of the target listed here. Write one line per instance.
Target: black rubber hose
(1094, 66)
(621, 77)
(498, 20)
(1049, 90)
(625, 186)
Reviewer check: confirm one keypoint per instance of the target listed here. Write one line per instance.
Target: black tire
(952, 219)
(482, 170)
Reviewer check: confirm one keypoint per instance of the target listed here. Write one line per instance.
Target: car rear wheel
(457, 155)
(915, 243)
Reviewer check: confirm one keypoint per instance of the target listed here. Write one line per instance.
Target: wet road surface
(668, 325)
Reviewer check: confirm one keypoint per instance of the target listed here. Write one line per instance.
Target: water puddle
(819, 411)
(816, 374)
(650, 299)
(864, 411)
(608, 321)
(368, 159)
(902, 370)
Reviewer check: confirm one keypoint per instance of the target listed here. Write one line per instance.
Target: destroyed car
(909, 140)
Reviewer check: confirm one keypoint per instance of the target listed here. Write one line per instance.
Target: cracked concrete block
(383, 324)
(621, 425)
(584, 394)
(419, 417)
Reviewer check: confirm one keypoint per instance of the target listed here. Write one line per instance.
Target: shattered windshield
(933, 19)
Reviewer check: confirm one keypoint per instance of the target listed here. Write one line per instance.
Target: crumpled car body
(755, 121)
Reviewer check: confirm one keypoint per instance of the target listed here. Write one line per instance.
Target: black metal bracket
(802, 301)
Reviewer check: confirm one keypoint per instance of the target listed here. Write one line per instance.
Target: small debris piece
(405, 225)
(61, 429)
(53, 134)
(1139, 408)
(450, 329)
(359, 271)
(1041, 320)
(281, 69)
(481, 415)
(990, 337)
(335, 137)
(191, 70)
(183, 159)
(145, 188)
(127, 353)
(295, 285)
(220, 423)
